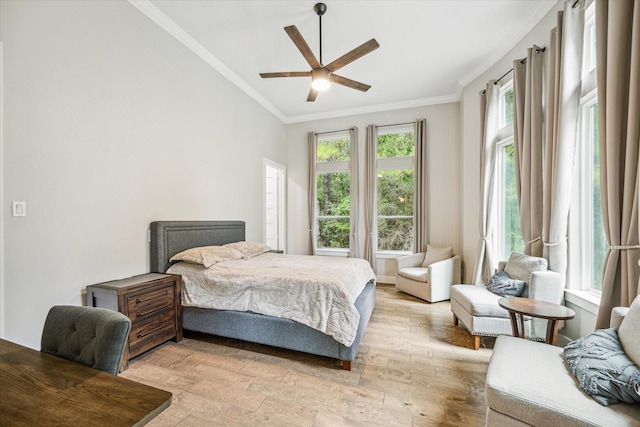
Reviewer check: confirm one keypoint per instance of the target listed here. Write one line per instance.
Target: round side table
(535, 308)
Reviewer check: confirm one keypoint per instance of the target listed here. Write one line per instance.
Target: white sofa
(432, 282)
(530, 384)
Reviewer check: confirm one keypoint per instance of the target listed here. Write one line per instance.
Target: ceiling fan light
(320, 84)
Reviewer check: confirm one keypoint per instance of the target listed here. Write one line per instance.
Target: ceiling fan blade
(302, 46)
(312, 95)
(351, 56)
(286, 74)
(349, 83)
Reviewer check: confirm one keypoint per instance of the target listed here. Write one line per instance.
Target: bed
(169, 238)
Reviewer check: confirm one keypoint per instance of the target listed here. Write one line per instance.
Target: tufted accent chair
(91, 336)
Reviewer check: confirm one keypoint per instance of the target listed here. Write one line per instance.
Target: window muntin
(333, 191)
(395, 188)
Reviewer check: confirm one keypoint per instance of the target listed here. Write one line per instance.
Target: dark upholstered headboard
(171, 237)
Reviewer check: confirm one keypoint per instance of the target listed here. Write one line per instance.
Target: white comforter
(317, 291)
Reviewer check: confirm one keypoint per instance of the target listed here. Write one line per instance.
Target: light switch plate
(19, 208)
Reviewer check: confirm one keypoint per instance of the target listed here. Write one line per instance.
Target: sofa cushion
(530, 381)
(414, 273)
(602, 368)
(521, 266)
(628, 332)
(503, 285)
(478, 301)
(436, 254)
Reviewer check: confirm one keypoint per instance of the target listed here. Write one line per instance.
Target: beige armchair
(477, 308)
(428, 275)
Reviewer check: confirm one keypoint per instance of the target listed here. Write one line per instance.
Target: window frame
(325, 167)
(394, 163)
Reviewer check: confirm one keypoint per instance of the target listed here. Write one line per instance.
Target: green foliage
(333, 150)
(396, 145)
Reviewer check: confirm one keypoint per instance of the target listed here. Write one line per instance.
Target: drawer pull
(138, 314)
(138, 300)
(144, 334)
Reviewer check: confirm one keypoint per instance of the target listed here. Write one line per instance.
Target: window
(333, 194)
(587, 240)
(395, 187)
(508, 229)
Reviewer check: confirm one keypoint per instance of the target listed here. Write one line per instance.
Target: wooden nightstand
(152, 301)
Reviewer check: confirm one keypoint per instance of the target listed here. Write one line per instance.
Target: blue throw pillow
(503, 285)
(602, 368)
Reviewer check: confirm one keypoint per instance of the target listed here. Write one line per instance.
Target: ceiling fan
(323, 75)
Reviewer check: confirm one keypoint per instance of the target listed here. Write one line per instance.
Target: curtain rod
(396, 124)
(334, 131)
(522, 61)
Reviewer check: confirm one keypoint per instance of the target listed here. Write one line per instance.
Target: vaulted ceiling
(428, 49)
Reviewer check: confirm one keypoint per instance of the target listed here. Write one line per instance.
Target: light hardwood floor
(414, 368)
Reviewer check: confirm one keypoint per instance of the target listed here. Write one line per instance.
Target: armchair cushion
(503, 285)
(436, 254)
(520, 266)
(414, 273)
(602, 368)
(628, 331)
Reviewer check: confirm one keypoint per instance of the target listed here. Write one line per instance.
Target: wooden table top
(40, 389)
(536, 308)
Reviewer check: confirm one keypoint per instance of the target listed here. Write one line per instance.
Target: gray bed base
(170, 237)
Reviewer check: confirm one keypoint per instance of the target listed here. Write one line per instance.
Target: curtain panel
(528, 141)
(370, 226)
(312, 140)
(354, 251)
(420, 219)
(618, 62)
(563, 104)
(486, 262)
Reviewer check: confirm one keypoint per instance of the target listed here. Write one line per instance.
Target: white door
(274, 204)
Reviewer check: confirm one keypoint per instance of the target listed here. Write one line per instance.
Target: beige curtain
(528, 136)
(371, 229)
(420, 220)
(618, 53)
(354, 251)
(312, 139)
(486, 262)
(564, 84)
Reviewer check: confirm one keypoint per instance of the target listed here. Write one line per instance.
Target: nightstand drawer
(147, 304)
(147, 334)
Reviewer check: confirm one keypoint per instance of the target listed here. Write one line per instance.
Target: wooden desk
(40, 389)
(535, 308)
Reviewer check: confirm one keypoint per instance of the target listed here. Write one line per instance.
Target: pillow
(602, 368)
(436, 254)
(249, 249)
(207, 255)
(503, 285)
(521, 266)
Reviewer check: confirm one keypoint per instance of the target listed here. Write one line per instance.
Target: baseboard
(386, 279)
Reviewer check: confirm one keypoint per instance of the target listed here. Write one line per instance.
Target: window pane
(395, 234)
(507, 108)
(396, 145)
(333, 233)
(333, 194)
(395, 192)
(333, 150)
(512, 230)
(599, 249)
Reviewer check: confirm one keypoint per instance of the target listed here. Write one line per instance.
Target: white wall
(443, 173)
(109, 124)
